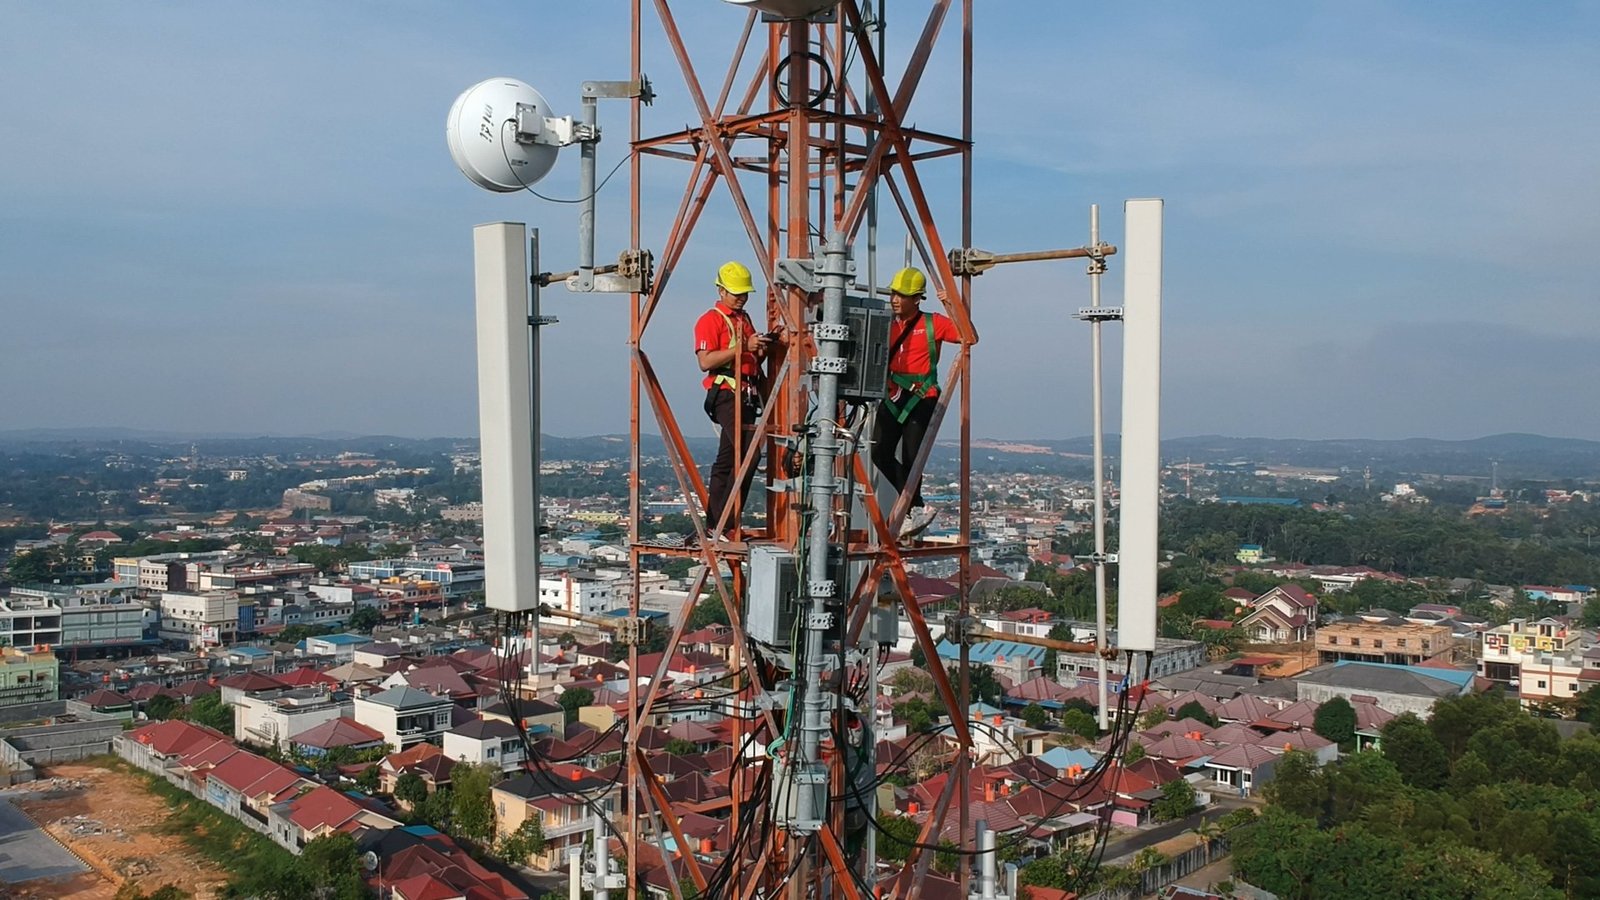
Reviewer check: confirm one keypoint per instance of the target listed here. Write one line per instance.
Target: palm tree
(1207, 830)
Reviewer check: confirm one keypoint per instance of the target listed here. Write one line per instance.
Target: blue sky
(1381, 218)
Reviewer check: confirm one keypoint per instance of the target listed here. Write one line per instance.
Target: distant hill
(1519, 455)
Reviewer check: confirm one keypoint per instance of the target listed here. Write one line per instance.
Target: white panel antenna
(1138, 548)
(505, 420)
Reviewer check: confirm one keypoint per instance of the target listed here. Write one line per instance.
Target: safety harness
(734, 382)
(915, 386)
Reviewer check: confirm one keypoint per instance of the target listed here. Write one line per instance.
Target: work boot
(917, 520)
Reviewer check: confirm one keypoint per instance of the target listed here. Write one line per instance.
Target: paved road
(26, 853)
(1117, 848)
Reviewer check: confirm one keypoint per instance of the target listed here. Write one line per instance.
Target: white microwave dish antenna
(500, 137)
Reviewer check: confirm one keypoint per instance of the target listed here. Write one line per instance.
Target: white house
(490, 741)
(405, 715)
(272, 719)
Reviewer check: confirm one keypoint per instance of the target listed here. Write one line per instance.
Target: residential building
(273, 719)
(579, 593)
(334, 734)
(563, 803)
(538, 716)
(341, 647)
(90, 615)
(456, 577)
(1172, 655)
(465, 512)
(28, 623)
(1506, 647)
(1284, 615)
(405, 716)
(245, 785)
(1395, 689)
(492, 742)
(318, 813)
(28, 676)
(1398, 643)
(200, 620)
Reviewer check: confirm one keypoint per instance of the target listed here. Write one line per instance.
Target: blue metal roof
(1457, 677)
(643, 613)
(1061, 757)
(988, 651)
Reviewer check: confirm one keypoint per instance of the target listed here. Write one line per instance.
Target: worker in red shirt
(729, 351)
(902, 421)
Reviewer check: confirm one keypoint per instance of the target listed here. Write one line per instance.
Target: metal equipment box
(866, 374)
(772, 600)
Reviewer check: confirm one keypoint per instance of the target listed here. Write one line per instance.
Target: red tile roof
(322, 807)
(250, 682)
(106, 700)
(254, 776)
(175, 737)
(340, 732)
(423, 887)
(304, 676)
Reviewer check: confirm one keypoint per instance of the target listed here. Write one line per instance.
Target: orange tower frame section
(819, 153)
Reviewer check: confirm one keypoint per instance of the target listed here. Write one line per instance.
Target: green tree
(1336, 721)
(1297, 786)
(368, 779)
(435, 809)
(1134, 752)
(947, 858)
(574, 699)
(528, 839)
(897, 835)
(1410, 744)
(1279, 852)
(708, 611)
(210, 711)
(1076, 721)
(36, 566)
(162, 706)
(916, 712)
(1035, 716)
(411, 788)
(365, 619)
(1155, 716)
(1177, 801)
(681, 747)
(1193, 710)
(985, 686)
(472, 808)
(1456, 719)
(1047, 871)
(332, 864)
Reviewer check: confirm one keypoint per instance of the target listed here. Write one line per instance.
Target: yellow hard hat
(734, 278)
(909, 282)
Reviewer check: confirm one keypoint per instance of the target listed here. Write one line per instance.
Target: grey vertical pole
(535, 321)
(811, 775)
(574, 873)
(584, 280)
(986, 861)
(602, 853)
(1100, 638)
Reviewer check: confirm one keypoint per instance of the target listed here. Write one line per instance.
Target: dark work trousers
(895, 444)
(722, 412)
